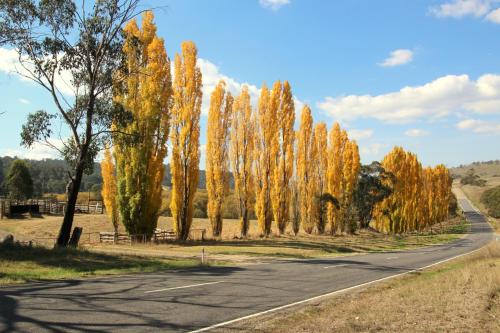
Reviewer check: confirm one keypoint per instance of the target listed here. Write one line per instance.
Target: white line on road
(391, 258)
(204, 329)
(335, 266)
(183, 287)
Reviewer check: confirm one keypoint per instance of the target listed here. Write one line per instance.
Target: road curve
(200, 299)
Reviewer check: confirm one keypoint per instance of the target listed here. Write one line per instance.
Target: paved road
(195, 299)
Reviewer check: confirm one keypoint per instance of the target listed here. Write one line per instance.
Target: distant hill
(50, 175)
(487, 169)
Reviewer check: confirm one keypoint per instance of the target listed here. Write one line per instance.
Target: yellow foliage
(283, 151)
(266, 140)
(420, 196)
(146, 93)
(217, 165)
(185, 138)
(242, 150)
(306, 163)
(342, 175)
(319, 173)
(109, 191)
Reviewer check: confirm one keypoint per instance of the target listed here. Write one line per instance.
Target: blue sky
(421, 74)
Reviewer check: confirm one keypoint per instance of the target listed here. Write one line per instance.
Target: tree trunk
(69, 211)
(244, 223)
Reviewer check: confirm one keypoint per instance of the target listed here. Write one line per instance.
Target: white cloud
(461, 8)
(211, 77)
(274, 4)
(494, 16)
(39, 151)
(415, 132)
(479, 126)
(437, 99)
(397, 58)
(360, 134)
(9, 64)
(372, 149)
(24, 101)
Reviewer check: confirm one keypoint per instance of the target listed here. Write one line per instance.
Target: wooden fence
(47, 206)
(159, 236)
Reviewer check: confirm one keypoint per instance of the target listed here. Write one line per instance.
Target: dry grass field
(460, 296)
(44, 230)
(485, 170)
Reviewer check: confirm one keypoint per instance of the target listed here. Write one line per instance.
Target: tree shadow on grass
(74, 263)
(324, 246)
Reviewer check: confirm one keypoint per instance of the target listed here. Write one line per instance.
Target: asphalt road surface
(200, 299)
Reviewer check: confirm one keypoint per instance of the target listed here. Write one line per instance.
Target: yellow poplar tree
(337, 142)
(217, 162)
(266, 140)
(306, 160)
(400, 212)
(350, 171)
(242, 156)
(109, 191)
(185, 137)
(146, 94)
(319, 164)
(420, 196)
(282, 99)
(443, 192)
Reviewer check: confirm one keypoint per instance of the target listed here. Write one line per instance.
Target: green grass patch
(21, 264)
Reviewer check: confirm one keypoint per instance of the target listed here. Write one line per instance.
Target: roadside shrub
(471, 178)
(453, 206)
(491, 199)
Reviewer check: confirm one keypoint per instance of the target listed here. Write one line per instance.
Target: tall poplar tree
(282, 99)
(242, 156)
(336, 145)
(306, 160)
(185, 138)
(147, 94)
(266, 140)
(109, 190)
(217, 161)
(350, 170)
(319, 174)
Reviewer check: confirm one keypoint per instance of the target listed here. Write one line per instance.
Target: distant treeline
(51, 176)
(478, 163)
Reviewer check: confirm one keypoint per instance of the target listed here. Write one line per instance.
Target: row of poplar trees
(306, 178)
(281, 174)
(270, 162)
(420, 196)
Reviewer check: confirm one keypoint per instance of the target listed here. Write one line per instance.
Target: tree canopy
(18, 182)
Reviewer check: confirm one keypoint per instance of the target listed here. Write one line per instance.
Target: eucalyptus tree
(374, 185)
(72, 50)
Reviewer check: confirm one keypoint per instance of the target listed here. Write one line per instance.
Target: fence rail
(46, 206)
(159, 236)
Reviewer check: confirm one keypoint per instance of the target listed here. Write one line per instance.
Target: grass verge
(299, 247)
(21, 264)
(459, 296)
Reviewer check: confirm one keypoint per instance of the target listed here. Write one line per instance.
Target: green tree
(491, 199)
(471, 178)
(371, 188)
(19, 183)
(84, 42)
